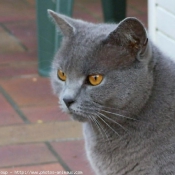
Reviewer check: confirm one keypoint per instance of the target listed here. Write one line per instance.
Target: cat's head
(102, 69)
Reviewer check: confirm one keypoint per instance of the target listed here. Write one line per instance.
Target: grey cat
(114, 80)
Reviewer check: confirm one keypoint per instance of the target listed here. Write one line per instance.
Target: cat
(114, 80)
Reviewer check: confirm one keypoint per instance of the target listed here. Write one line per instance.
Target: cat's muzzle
(68, 101)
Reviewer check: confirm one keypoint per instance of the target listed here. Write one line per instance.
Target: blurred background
(34, 134)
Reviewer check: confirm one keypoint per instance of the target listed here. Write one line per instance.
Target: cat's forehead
(83, 52)
(79, 57)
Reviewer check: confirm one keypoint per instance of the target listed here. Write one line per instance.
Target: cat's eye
(61, 75)
(95, 79)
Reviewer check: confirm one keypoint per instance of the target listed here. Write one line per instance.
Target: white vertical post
(152, 19)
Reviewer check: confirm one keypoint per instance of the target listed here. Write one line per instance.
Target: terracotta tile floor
(27, 104)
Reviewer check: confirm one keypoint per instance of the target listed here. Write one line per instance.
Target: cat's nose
(68, 101)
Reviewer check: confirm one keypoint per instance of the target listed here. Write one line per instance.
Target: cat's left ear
(63, 22)
(132, 36)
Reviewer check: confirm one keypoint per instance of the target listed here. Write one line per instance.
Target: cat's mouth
(79, 118)
(77, 115)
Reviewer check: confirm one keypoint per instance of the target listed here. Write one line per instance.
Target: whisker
(98, 126)
(120, 115)
(104, 133)
(101, 127)
(96, 122)
(113, 121)
(91, 118)
(109, 126)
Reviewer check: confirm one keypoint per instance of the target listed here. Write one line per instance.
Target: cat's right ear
(63, 22)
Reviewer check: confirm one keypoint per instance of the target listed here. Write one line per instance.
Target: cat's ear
(132, 36)
(63, 22)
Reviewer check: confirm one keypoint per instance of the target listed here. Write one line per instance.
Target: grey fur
(128, 119)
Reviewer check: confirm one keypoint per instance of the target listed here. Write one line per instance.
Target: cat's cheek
(61, 103)
(98, 96)
(57, 87)
(63, 107)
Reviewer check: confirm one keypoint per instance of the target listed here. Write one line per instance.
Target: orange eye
(61, 75)
(95, 79)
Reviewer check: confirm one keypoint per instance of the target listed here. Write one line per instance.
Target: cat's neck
(163, 95)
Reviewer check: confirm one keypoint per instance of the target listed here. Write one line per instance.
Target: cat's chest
(117, 157)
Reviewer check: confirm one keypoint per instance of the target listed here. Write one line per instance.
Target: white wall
(161, 25)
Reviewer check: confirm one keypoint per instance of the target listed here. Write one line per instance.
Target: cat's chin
(78, 118)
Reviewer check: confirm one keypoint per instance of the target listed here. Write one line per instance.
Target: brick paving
(34, 134)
